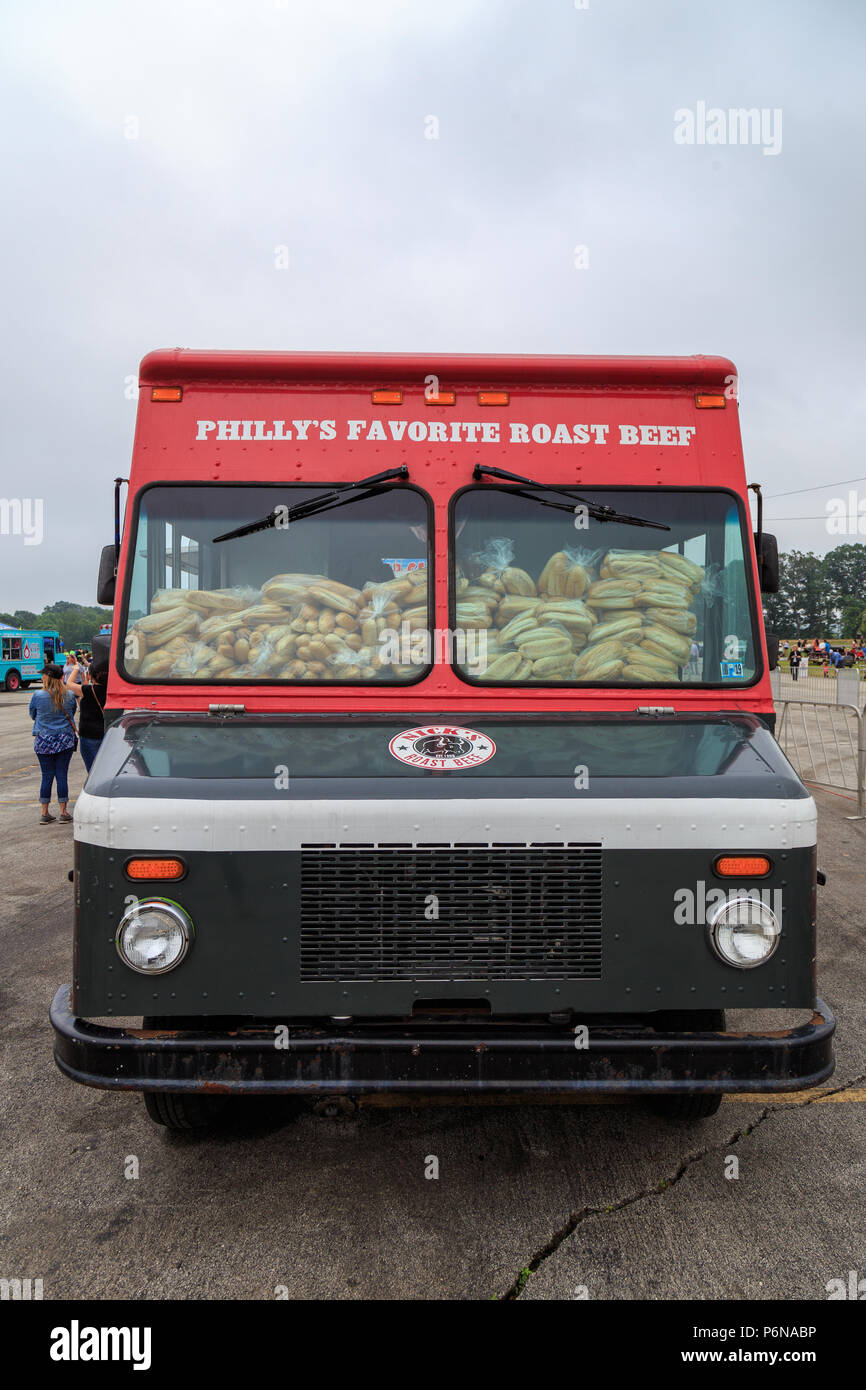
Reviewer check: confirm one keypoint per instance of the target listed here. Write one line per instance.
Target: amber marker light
(166, 393)
(743, 866)
(493, 397)
(705, 402)
(387, 397)
(443, 398)
(151, 869)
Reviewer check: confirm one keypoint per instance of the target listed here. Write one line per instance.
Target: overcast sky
(155, 152)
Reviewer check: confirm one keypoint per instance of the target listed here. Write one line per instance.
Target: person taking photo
(89, 687)
(54, 738)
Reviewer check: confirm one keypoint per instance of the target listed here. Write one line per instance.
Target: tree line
(819, 595)
(76, 623)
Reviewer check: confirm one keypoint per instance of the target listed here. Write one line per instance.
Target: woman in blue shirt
(52, 709)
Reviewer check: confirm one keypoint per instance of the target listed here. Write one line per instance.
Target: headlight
(153, 936)
(744, 931)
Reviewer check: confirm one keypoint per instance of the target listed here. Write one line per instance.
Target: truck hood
(260, 782)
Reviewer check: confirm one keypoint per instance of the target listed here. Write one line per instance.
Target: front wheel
(13, 680)
(182, 1111)
(691, 1106)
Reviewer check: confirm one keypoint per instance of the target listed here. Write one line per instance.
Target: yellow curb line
(819, 1095)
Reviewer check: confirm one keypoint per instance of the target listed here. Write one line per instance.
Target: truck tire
(690, 1106)
(13, 680)
(182, 1111)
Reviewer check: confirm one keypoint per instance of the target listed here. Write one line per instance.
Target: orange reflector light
(444, 398)
(385, 397)
(704, 402)
(155, 868)
(166, 393)
(742, 866)
(493, 397)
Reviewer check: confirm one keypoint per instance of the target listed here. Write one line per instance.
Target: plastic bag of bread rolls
(568, 573)
(498, 574)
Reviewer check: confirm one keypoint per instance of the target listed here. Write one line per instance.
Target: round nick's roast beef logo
(442, 747)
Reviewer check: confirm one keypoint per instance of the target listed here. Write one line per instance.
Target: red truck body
(641, 418)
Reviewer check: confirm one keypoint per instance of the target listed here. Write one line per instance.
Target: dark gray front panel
(248, 915)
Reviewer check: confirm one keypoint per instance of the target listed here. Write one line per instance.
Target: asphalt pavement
(542, 1202)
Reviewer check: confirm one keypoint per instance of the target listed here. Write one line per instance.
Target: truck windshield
(559, 599)
(309, 601)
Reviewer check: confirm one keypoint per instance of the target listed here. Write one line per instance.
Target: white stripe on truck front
(132, 823)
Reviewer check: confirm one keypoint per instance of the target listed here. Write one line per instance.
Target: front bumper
(487, 1057)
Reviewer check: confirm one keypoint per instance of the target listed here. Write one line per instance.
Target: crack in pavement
(577, 1218)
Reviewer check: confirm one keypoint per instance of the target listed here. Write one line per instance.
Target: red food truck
(439, 753)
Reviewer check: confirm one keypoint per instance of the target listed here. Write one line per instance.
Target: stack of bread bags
(632, 620)
(302, 627)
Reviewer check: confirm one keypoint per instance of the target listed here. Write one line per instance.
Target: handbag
(72, 727)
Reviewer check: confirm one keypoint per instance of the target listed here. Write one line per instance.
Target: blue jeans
(89, 749)
(54, 765)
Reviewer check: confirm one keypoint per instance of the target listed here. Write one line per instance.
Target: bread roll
(264, 613)
(517, 581)
(164, 599)
(541, 642)
(631, 564)
(398, 589)
(523, 622)
(601, 670)
(664, 593)
(597, 656)
(549, 667)
(551, 581)
(342, 603)
(617, 626)
(672, 644)
(285, 588)
(678, 567)
(577, 579)
(613, 593)
(514, 604)
(157, 664)
(472, 614)
(208, 601)
(571, 614)
(679, 619)
(649, 671)
(503, 667)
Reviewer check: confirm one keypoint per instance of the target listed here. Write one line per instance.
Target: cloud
(263, 125)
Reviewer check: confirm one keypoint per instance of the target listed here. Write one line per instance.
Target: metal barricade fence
(826, 744)
(842, 687)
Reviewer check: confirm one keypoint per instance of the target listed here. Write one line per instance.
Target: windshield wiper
(596, 510)
(335, 497)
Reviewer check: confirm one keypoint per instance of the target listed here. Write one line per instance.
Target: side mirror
(100, 650)
(767, 550)
(107, 580)
(773, 649)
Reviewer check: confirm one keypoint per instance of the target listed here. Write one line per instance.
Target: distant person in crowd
(69, 666)
(804, 664)
(826, 667)
(795, 663)
(52, 710)
(89, 688)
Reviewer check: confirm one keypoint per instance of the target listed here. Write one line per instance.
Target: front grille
(518, 912)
